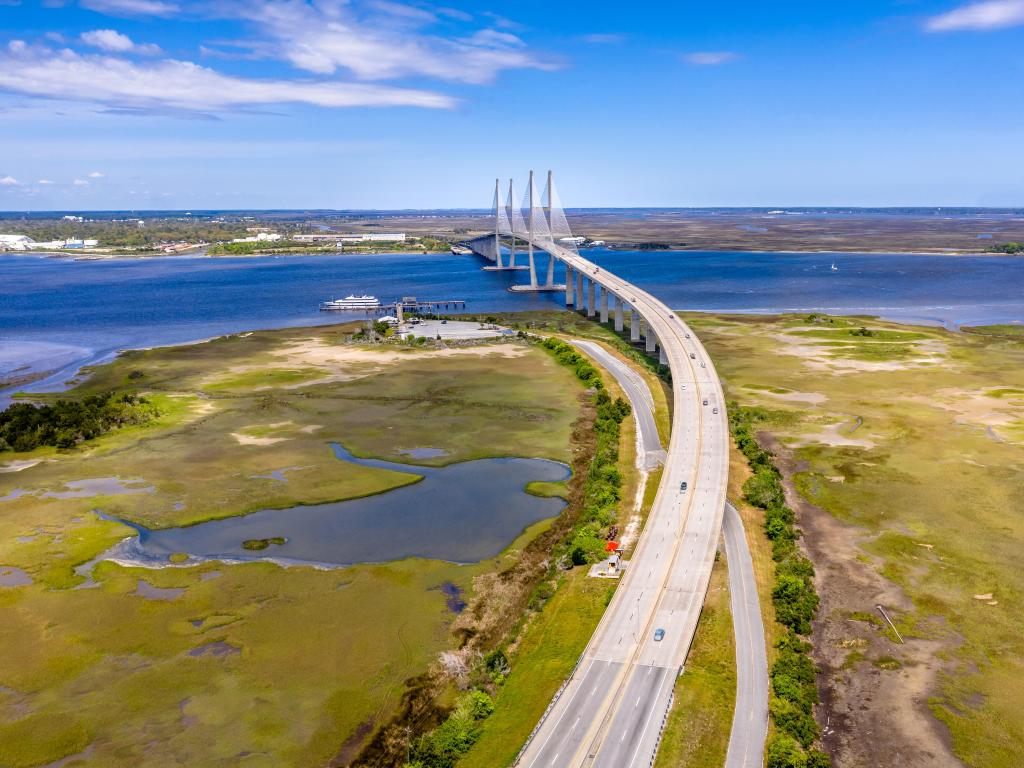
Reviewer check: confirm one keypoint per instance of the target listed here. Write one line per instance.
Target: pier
(406, 304)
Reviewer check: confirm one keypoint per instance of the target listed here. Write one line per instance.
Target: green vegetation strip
(793, 689)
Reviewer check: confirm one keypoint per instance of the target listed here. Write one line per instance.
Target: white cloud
(112, 41)
(8, 181)
(709, 58)
(132, 7)
(44, 182)
(80, 183)
(181, 86)
(989, 14)
(330, 36)
(96, 175)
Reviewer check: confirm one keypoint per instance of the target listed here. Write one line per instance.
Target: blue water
(475, 509)
(56, 315)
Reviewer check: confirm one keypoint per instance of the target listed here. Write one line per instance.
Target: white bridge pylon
(537, 220)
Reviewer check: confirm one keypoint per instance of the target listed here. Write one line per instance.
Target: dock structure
(406, 304)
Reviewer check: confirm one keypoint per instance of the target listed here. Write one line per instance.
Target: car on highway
(714, 410)
(693, 356)
(659, 635)
(687, 335)
(702, 365)
(682, 486)
(705, 402)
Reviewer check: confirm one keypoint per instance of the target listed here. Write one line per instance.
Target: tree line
(793, 688)
(66, 423)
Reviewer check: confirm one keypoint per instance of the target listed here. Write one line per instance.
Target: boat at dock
(352, 303)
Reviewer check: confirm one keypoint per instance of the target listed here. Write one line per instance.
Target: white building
(16, 242)
(374, 237)
(262, 237)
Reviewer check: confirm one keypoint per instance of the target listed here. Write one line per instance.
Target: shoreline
(70, 372)
(61, 255)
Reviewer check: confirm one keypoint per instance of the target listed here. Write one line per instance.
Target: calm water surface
(56, 315)
(462, 513)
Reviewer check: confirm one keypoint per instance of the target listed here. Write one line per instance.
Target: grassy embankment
(284, 665)
(913, 440)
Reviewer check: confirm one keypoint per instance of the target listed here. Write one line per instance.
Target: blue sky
(111, 104)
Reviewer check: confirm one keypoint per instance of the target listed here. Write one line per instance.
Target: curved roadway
(611, 710)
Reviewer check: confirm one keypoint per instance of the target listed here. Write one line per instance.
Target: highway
(750, 718)
(611, 711)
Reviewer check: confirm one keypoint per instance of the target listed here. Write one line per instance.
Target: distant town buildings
(354, 237)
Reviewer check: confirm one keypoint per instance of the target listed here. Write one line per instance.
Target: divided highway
(611, 711)
(750, 715)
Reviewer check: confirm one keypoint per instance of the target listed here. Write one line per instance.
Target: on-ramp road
(750, 718)
(611, 711)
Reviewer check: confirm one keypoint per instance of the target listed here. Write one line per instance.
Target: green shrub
(66, 423)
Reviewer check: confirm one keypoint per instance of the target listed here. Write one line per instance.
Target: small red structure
(612, 546)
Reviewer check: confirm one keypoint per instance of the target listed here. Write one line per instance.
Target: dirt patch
(809, 398)
(832, 436)
(823, 358)
(870, 715)
(319, 353)
(350, 749)
(18, 466)
(976, 408)
(250, 440)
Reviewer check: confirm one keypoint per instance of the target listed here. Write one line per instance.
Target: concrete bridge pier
(651, 340)
(634, 325)
(579, 291)
(604, 305)
(591, 298)
(568, 285)
(662, 357)
(618, 314)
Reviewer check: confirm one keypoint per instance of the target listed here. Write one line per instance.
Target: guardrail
(551, 705)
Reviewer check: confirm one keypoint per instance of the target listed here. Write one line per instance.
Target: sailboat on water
(834, 267)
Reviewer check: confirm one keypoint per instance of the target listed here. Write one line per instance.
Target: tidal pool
(462, 513)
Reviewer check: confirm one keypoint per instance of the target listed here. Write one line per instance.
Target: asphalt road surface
(611, 711)
(750, 718)
(640, 399)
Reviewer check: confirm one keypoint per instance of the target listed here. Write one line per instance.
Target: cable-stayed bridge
(611, 710)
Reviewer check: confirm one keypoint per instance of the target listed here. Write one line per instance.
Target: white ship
(353, 302)
(461, 250)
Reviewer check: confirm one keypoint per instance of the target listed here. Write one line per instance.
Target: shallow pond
(463, 513)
